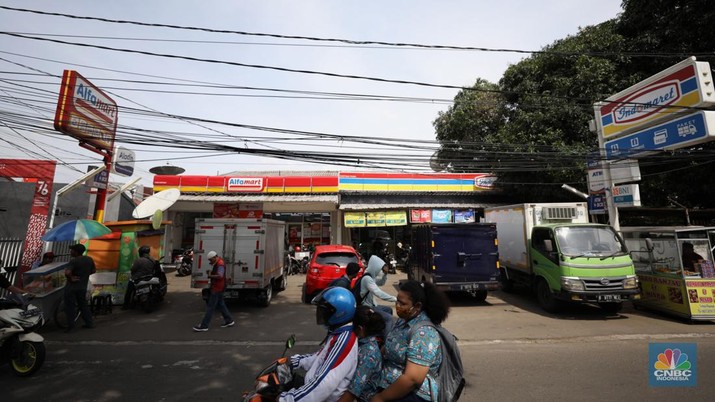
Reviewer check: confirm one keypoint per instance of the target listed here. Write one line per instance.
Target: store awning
(329, 198)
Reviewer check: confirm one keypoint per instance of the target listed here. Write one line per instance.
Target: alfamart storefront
(327, 207)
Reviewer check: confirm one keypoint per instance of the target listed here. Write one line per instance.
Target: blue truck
(456, 257)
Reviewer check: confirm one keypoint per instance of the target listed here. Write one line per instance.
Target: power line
(349, 41)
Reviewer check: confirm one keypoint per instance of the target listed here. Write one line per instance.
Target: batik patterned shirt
(424, 349)
(367, 374)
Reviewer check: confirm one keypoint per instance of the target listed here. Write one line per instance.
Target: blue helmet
(336, 306)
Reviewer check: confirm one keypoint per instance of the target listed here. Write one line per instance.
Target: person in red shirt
(216, 301)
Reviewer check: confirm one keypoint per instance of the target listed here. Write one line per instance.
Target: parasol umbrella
(76, 230)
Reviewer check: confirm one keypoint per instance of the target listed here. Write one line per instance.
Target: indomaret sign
(85, 112)
(671, 92)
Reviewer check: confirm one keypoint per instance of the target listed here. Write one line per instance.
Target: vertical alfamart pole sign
(89, 115)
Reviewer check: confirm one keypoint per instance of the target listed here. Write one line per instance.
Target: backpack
(450, 375)
(356, 289)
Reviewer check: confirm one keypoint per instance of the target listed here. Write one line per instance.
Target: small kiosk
(47, 284)
(675, 269)
(115, 253)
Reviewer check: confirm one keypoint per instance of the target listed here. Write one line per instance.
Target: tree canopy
(532, 128)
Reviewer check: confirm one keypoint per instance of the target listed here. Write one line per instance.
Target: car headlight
(572, 284)
(631, 282)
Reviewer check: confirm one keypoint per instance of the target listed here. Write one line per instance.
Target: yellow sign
(396, 218)
(375, 219)
(692, 298)
(354, 219)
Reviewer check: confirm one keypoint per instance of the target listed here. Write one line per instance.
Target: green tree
(671, 30)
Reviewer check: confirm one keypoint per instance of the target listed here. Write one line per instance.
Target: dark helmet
(144, 250)
(336, 306)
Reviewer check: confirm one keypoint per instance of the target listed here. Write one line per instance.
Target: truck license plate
(609, 298)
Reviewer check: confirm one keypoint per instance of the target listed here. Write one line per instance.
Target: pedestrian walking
(78, 270)
(216, 289)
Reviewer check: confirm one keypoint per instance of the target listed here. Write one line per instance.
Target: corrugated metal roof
(331, 198)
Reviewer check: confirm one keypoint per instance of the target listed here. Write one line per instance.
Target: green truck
(554, 250)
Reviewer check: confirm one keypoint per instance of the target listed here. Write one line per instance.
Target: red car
(327, 263)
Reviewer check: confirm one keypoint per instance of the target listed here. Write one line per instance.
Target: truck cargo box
(456, 257)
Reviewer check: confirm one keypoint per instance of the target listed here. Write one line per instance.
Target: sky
(395, 119)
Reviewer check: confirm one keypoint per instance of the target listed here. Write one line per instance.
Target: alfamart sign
(85, 112)
(688, 84)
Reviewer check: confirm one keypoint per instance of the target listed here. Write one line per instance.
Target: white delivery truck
(253, 251)
(553, 249)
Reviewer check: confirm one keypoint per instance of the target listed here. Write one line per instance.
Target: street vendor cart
(47, 283)
(675, 269)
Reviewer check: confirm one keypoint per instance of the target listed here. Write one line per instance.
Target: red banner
(42, 173)
(420, 215)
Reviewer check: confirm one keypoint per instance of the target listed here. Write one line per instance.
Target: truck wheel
(611, 308)
(264, 297)
(480, 295)
(547, 301)
(507, 284)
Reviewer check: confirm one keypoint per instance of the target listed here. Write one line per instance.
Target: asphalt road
(511, 351)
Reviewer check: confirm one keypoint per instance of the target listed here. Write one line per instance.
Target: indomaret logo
(247, 184)
(672, 365)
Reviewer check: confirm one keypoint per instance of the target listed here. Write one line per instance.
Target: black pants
(129, 294)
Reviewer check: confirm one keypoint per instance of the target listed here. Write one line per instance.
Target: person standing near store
(217, 276)
(78, 270)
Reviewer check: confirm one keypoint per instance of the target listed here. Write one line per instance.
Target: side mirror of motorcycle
(290, 342)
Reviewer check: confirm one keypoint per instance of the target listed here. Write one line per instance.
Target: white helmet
(211, 254)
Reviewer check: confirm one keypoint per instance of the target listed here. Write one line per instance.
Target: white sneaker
(228, 324)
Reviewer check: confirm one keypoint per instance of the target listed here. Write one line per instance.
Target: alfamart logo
(672, 365)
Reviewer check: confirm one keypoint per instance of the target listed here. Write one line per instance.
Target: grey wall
(16, 200)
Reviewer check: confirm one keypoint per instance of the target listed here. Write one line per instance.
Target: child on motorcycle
(369, 327)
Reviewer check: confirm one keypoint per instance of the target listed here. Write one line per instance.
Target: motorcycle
(149, 291)
(274, 379)
(295, 266)
(187, 261)
(20, 346)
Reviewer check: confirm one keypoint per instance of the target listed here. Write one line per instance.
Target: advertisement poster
(238, 210)
(294, 234)
(396, 218)
(464, 216)
(375, 219)
(420, 215)
(442, 215)
(700, 297)
(354, 219)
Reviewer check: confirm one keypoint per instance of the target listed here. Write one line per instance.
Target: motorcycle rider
(331, 368)
(142, 267)
(5, 284)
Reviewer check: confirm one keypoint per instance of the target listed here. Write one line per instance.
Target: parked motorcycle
(149, 291)
(20, 346)
(187, 261)
(274, 379)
